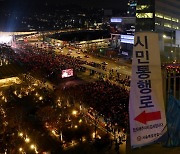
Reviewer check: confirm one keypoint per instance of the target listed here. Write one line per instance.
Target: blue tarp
(173, 122)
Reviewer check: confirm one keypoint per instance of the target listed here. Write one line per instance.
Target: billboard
(146, 104)
(129, 39)
(67, 73)
(116, 20)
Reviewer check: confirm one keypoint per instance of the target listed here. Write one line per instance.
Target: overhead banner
(146, 104)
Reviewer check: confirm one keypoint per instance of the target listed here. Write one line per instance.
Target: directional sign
(145, 117)
(146, 104)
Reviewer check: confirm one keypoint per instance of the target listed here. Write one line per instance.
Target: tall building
(162, 16)
(145, 15)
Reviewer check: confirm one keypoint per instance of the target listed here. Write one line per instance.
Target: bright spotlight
(5, 39)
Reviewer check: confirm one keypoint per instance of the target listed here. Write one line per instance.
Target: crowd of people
(104, 97)
(108, 99)
(116, 76)
(47, 62)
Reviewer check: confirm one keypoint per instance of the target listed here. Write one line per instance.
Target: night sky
(84, 3)
(25, 8)
(94, 3)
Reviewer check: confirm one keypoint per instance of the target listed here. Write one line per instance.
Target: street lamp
(74, 112)
(27, 140)
(40, 98)
(21, 134)
(32, 146)
(80, 120)
(20, 149)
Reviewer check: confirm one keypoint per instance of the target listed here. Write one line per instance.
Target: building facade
(122, 35)
(163, 17)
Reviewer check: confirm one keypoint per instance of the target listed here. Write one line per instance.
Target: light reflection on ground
(9, 81)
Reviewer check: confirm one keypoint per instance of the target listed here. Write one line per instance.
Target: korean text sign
(146, 104)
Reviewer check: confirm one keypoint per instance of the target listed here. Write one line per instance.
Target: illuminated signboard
(67, 73)
(117, 20)
(127, 39)
(124, 53)
(133, 4)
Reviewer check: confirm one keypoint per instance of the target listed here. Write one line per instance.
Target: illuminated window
(144, 15)
(175, 19)
(175, 27)
(167, 17)
(142, 7)
(159, 15)
(167, 25)
(157, 24)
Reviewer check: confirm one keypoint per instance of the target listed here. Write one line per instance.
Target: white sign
(146, 104)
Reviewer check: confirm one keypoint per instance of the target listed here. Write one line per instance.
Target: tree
(49, 115)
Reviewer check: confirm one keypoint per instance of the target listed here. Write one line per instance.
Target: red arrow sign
(145, 117)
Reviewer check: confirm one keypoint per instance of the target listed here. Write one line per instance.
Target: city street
(116, 64)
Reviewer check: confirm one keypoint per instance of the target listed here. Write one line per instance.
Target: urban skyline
(89, 76)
